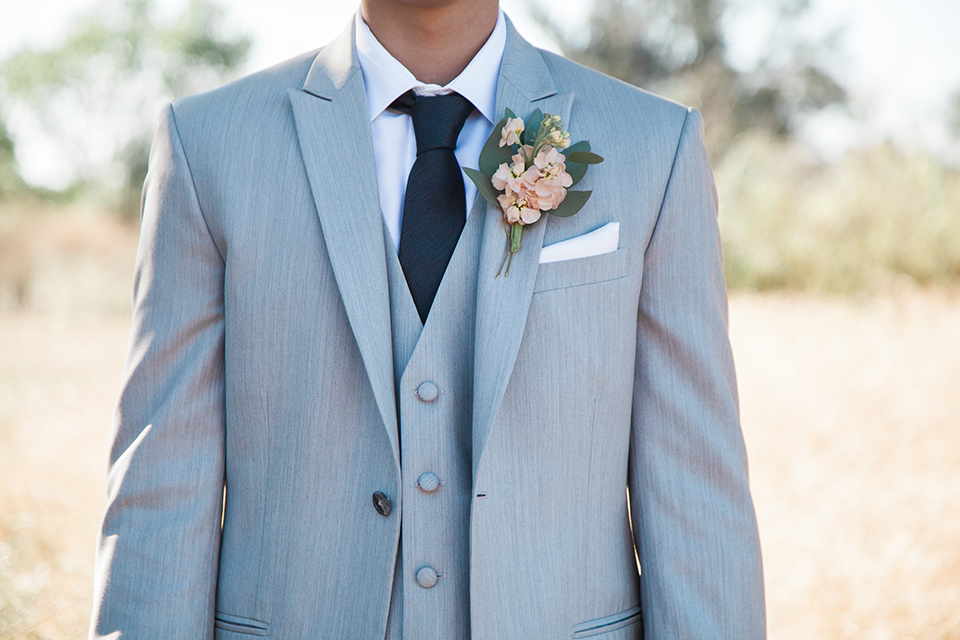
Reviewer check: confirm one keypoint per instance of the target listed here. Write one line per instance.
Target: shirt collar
(385, 78)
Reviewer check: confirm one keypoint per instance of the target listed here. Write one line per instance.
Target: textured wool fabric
(434, 200)
(262, 360)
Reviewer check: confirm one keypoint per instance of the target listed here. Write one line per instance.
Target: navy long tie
(434, 207)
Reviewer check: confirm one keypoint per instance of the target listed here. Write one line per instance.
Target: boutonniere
(526, 169)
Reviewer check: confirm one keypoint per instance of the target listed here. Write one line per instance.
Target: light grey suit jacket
(261, 359)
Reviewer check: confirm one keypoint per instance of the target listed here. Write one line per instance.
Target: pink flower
(548, 178)
(549, 160)
(508, 177)
(510, 134)
(530, 178)
(520, 207)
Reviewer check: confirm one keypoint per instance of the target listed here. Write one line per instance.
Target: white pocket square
(598, 241)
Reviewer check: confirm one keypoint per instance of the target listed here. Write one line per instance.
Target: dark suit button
(428, 391)
(382, 503)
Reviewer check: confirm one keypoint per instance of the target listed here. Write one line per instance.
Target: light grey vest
(433, 365)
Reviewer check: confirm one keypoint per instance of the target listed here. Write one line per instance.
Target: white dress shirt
(394, 142)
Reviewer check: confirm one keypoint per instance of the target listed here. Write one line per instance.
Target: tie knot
(437, 120)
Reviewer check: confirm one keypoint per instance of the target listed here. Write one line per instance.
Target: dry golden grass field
(851, 411)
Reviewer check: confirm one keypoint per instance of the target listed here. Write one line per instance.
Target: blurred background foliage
(98, 92)
(10, 181)
(678, 48)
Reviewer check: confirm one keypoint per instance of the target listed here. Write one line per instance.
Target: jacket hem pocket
(608, 623)
(238, 624)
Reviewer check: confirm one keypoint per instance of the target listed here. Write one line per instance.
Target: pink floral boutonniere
(526, 168)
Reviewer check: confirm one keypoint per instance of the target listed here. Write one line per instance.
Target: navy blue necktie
(434, 207)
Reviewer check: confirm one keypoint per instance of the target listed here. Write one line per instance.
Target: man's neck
(434, 39)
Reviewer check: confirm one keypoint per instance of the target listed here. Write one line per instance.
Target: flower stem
(505, 254)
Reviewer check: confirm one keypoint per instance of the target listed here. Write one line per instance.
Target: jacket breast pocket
(581, 271)
(625, 622)
(227, 627)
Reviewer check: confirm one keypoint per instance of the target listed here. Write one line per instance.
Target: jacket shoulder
(259, 95)
(597, 90)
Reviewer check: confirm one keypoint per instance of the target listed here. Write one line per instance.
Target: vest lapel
(525, 84)
(404, 318)
(337, 147)
(407, 327)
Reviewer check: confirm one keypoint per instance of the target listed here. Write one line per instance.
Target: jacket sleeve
(156, 564)
(693, 517)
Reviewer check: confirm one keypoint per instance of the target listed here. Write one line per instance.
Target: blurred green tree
(10, 181)
(98, 94)
(680, 49)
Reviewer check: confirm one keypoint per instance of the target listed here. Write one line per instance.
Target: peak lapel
(337, 147)
(525, 84)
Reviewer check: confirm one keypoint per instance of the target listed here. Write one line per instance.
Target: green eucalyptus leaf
(490, 155)
(576, 172)
(516, 236)
(572, 203)
(584, 157)
(532, 126)
(509, 113)
(484, 186)
(576, 169)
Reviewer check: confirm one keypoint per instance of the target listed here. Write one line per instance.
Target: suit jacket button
(428, 481)
(426, 577)
(382, 503)
(428, 391)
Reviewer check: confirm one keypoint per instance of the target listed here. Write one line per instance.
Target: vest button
(426, 577)
(428, 391)
(428, 481)
(382, 503)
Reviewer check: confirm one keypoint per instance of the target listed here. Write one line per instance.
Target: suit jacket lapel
(525, 84)
(337, 146)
